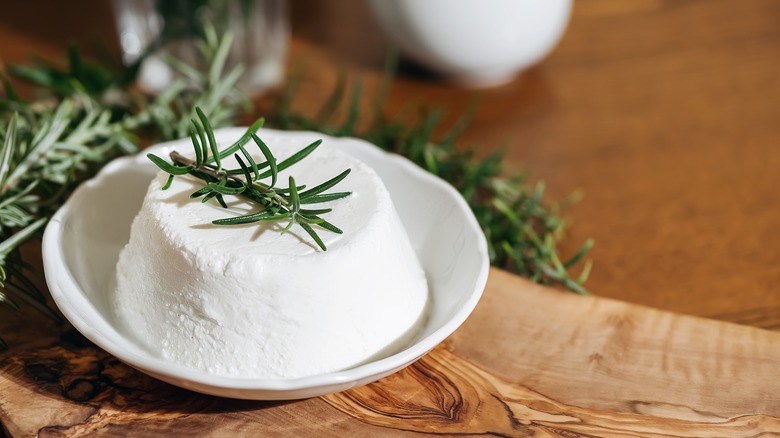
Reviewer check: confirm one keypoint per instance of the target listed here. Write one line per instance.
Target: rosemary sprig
(89, 117)
(523, 229)
(274, 203)
(52, 144)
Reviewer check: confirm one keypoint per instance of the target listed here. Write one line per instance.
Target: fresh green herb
(50, 145)
(274, 203)
(91, 116)
(523, 229)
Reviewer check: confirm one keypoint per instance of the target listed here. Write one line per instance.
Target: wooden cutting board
(529, 361)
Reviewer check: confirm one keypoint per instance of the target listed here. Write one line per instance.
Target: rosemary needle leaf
(256, 217)
(8, 245)
(167, 184)
(326, 185)
(243, 140)
(196, 146)
(289, 224)
(201, 192)
(585, 272)
(313, 235)
(223, 189)
(282, 191)
(8, 149)
(315, 212)
(250, 218)
(316, 199)
(294, 199)
(311, 220)
(220, 56)
(296, 157)
(204, 150)
(209, 197)
(269, 158)
(210, 134)
(330, 227)
(168, 167)
(221, 200)
(580, 254)
(352, 113)
(247, 174)
(252, 163)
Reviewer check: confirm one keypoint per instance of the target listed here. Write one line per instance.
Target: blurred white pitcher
(476, 43)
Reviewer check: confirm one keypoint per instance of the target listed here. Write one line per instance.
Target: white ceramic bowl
(476, 43)
(82, 242)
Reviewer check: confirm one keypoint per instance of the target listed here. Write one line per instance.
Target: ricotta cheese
(248, 301)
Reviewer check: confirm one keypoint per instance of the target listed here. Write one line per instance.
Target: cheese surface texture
(248, 301)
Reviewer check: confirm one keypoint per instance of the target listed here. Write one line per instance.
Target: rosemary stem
(176, 157)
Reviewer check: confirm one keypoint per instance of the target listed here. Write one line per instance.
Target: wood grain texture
(554, 365)
(663, 112)
(453, 396)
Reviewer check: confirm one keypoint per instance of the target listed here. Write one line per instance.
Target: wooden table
(664, 113)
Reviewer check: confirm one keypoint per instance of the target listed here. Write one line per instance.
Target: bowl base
(488, 80)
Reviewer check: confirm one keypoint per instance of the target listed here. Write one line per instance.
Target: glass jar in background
(155, 28)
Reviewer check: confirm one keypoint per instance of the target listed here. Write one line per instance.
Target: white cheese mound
(248, 301)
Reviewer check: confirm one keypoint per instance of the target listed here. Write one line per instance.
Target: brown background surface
(664, 113)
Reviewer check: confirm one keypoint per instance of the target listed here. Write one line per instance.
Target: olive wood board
(530, 361)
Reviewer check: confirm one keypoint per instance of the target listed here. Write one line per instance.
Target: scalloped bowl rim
(80, 311)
